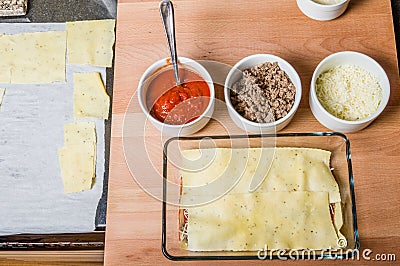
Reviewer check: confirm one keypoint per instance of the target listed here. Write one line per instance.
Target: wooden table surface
(226, 31)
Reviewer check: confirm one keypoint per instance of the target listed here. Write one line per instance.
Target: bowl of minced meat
(262, 93)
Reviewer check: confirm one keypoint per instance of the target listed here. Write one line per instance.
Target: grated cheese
(349, 92)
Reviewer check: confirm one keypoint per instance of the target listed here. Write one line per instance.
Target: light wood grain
(227, 31)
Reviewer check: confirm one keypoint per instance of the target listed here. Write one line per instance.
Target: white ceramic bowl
(347, 58)
(236, 73)
(320, 11)
(176, 130)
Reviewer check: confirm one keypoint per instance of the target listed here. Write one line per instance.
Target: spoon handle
(167, 15)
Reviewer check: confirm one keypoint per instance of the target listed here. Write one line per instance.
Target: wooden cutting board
(227, 31)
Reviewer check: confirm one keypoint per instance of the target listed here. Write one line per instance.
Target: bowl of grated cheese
(348, 91)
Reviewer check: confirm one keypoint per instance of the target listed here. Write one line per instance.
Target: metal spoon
(167, 15)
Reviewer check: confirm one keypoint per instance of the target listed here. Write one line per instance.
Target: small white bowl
(236, 73)
(347, 58)
(320, 11)
(176, 130)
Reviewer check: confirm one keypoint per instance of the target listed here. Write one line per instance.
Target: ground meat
(264, 94)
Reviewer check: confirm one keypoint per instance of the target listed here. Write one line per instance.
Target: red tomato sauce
(177, 105)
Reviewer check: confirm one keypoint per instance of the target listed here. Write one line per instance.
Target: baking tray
(49, 11)
(337, 143)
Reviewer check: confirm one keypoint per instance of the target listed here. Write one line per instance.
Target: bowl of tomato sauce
(177, 110)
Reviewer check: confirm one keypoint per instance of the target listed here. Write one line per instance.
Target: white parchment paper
(32, 119)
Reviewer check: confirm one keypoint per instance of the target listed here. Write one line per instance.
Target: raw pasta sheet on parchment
(32, 119)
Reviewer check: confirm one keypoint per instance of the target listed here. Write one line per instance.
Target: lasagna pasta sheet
(90, 42)
(291, 169)
(289, 210)
(33, 57)
(253, 221)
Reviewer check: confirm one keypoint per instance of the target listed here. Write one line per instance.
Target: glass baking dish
(337, 143)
